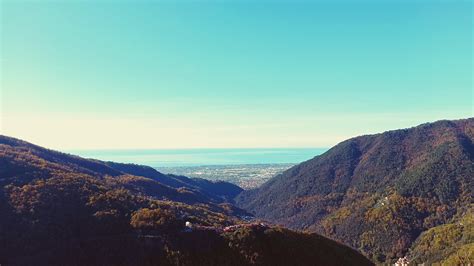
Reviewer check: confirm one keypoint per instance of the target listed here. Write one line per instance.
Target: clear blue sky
(184, 74)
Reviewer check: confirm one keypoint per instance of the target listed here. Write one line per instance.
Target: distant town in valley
(246, 176)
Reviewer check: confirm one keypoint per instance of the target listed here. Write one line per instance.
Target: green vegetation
(378, 193)
(59, 209)
(450, 243)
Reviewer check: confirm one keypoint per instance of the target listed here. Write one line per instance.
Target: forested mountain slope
(58, 209)
(376, 193)
(33, 153)
(447, 244)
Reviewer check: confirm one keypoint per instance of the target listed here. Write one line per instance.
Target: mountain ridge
(345, 192)
(99, 168)
(59, 209)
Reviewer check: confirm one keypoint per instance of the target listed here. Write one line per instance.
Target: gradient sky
(187, 74)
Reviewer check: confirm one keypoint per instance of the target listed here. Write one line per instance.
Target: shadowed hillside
(58, 209)
(35, 156)
(376, 193)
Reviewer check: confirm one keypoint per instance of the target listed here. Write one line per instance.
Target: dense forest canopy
(59, 209)
(382, 193)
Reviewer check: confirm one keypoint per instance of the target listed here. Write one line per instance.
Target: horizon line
(193, 148)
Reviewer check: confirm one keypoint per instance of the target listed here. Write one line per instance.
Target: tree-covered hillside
(376, 193)
(58, 209)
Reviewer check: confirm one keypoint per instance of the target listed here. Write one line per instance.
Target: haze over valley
(247, 168)
(246, 176)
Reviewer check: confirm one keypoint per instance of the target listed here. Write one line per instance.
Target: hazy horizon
(203, 157)
(229, 74)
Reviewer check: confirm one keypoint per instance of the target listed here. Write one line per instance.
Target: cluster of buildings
(402, 262)
(189, 227)
(232, 228)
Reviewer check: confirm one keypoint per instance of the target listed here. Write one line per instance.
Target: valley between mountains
(368, 200)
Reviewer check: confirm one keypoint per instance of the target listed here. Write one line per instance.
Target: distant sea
(203, 157)
(248, 168)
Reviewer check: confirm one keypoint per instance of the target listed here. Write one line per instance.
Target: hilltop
(60, 209)
(377, 193)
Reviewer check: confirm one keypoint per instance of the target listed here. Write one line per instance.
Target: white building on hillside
(402, 262)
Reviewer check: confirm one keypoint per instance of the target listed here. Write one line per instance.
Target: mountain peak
(371, 191)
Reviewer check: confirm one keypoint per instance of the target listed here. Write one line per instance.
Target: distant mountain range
(402, 192)
(59, 209)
